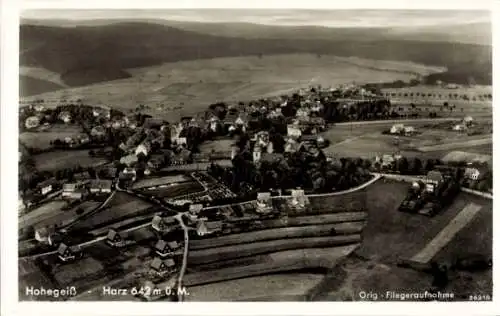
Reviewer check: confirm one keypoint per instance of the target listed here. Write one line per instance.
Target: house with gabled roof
(101, 186)
(69, 253)
(163, 266)
(264, 203)
(204, 228)
(114, 238)
(475, 171)
(299, 199)
(164, 224)
(166, 248)
(47, 186)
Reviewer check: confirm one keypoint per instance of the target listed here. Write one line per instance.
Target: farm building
(159, 265)
(166, 248)
(101, 186)
(70, 188)
(47, 186)
(204, 228)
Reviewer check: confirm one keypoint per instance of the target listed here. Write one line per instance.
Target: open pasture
(41, 139)
(184, 88)
(54, 160)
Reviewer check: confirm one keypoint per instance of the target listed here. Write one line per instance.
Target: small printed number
(479, 298)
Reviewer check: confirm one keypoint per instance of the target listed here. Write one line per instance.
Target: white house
(144, 148)
(264, 202)
(65, 117)
(299, 199)
(468, 120)
(409, 130)
(257, 154)
(129, 160)
(294, 131)
(475, 172)
(397, 128)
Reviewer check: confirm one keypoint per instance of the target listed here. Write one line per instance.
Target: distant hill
(32, 86)
(469, 33)
(88, 54)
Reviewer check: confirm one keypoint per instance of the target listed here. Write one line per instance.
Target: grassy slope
(86, 54)
(198, 83)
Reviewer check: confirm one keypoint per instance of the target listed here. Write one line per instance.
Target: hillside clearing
(185, 88)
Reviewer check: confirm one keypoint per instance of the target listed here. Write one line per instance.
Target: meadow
(182, 88)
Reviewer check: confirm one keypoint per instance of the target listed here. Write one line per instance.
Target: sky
(328, 18)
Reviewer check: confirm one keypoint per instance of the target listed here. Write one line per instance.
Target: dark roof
(271, 157)
(63, 247)
(169, 220)
(112, 234)
(170, 262)
(101, 184)
(173, 244)
(160, 244)
(156, 264)
(435, 175)
(47, 182)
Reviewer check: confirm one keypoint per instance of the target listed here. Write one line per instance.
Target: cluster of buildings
(466, 123)
(401, 129)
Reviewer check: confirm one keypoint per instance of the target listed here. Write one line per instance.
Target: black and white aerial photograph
(258, 155)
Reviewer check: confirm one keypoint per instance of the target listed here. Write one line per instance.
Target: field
(391, 236)
(54, 215)
(279, 233)
(279, 286)
(244, 250)
(175, 190)
(168, 180)
(55, 160)
(217, 145)
(368, 141)
(198, 83)
(42, 139)
(114, 213)
(42, 212)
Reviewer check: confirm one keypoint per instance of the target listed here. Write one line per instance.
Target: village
(276, 153)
